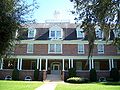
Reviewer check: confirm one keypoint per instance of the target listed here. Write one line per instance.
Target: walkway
(47, 86)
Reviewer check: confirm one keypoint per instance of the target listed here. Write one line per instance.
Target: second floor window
(30, 48)
(31, 32)
(80, 48)
(55, 48)
(100, 48)
(55, 32)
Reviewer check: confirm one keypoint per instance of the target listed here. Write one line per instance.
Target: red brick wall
(67, 50)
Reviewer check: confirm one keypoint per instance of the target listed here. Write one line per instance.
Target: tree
(13, 13)
(105, 13)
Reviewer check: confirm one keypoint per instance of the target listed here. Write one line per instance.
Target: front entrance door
(56, 67)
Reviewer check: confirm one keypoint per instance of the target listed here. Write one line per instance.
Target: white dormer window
(55, 32)
(100, 48)
(99, 33)
(117, 33)
(31, 32)
(80, 33)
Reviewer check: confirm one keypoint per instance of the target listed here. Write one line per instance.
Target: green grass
(19, 85)
(89, 86)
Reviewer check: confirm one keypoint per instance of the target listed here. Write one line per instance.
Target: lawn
(19, 85)
(89, 86)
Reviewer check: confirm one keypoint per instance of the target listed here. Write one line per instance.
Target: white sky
(47, 9)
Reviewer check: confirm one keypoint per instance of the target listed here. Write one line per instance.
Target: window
(55, 32)
(30, 48)
(118, 49)
(99, 33)
(80, 33)
(31, 32)
(117, 33)
(55, 48)
(80, 49)
(100, 49)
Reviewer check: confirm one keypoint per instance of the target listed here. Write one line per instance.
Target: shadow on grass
(111, 83)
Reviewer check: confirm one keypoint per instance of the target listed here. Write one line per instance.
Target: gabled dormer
(55, 33)
(31, 32)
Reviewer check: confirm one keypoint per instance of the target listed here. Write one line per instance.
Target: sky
(53, 9)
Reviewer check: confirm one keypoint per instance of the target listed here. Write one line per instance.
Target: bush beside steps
(77, 80)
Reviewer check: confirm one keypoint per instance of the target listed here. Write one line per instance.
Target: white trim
(109, 64)
(46, 64)
(65, 57)
(18, 64)
(61, 42)
(63, 64)
(112, 63)
(1, 64)
(40, 65)
(21, 64)
(69, 63)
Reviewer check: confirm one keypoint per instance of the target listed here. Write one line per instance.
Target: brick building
(57, 46)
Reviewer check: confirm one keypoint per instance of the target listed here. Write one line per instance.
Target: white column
(109, 64)
(63, 64)
(92, 63)
(89, 64)
(112, 63)
(1, 64)
(21, 64)
(46, 64)
(69, 63)
(18, 64)
(40, 65)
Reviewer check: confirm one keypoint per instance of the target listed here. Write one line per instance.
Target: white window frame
(33, 30)
(100, 48)
(28, 48)
(55, 29)
(81, 51)
(55, 52)
(78, 29)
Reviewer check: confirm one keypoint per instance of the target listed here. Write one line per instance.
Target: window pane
(58, 47)
(100, 48)
(52, 49)
(53, 34)
(30, 48)
(58, 34)
(31, 32)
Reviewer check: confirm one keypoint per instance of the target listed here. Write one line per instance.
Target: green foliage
(72, 72)
(15, 74)
(36, 74)
(93, 75)
(13, 13)
(77, 80)
(114, 74)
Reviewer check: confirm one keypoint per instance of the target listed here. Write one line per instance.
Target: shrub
(15, 74)
(114, 74)
(72, 72)
(93, 75)
(77, 80)
(36, 74)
